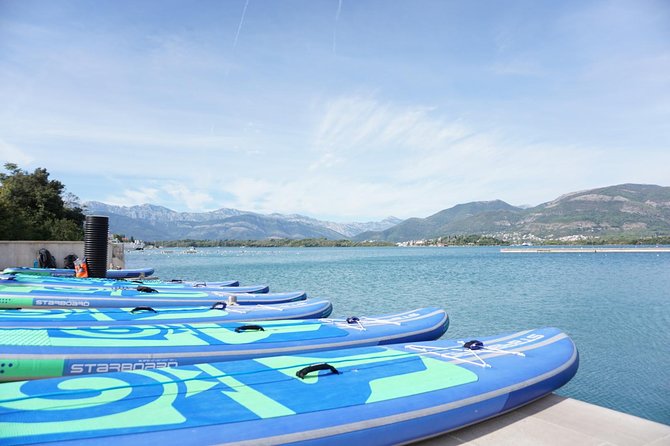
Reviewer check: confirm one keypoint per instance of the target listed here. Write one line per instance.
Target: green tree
(33, 207)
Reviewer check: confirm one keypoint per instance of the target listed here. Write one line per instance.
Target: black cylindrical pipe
(96, 228)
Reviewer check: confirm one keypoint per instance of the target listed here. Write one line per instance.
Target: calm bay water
(615, 306)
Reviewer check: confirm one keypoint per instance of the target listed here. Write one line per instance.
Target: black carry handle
(138, 309)
(146, 289)
(242, 328)
(474, 345)
(199, 284)
(353, 320)
(218, 306)
(316, 367)
(176, 281)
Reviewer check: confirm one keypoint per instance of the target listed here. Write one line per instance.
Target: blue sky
(340, 110)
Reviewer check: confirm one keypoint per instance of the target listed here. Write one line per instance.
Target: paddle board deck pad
(376, 395)
(28, 296)
(220, 312)
(48, 352)
(231, 286)
(111, 273)
(94, 281)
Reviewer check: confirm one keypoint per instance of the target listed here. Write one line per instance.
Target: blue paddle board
(111, 273)
(376, 395)
(29, 296)
(219, 312)
(231, 286)
(46, 352)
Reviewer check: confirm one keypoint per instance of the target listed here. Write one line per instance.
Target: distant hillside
(151, 222)
(634, 209)
(455, 220)
(347, 229)
(630, 210)
(627, 209)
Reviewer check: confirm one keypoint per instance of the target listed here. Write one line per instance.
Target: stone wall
(26, 253)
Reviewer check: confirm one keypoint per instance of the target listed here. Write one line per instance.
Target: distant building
(137, 245)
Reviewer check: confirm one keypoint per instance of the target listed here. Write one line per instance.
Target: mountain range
(152, 222)
(622, 210)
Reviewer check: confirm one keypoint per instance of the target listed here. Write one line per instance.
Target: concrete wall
(24, 253)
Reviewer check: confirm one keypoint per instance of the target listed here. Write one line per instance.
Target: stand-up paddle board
(231, 286)
(28, 296)
(219, 312)
(47, 352)
(377, 395)
(111, 273)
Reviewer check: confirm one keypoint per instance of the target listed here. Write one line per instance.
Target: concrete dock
(583, 250)
(558, 421)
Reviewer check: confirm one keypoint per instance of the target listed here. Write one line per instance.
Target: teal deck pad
(68, 317)
(105, 348)
(366, 395)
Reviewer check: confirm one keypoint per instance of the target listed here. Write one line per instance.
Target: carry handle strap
(242, 328)
(474, 345)
(138, 309)
(146, 289)
(218, 306)
(302, 373)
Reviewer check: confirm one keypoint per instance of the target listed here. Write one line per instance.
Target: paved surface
(559, 421)
(583, 250)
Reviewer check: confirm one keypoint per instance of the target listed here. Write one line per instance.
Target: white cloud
(327, 161)
(134, 197)
(10, 153)
(379, 159)
(192, 198)
(356, 124)
(171, 194)
(310, 195)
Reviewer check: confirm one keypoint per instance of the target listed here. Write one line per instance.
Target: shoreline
(582, 250)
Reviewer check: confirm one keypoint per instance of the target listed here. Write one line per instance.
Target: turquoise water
(616, 306)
